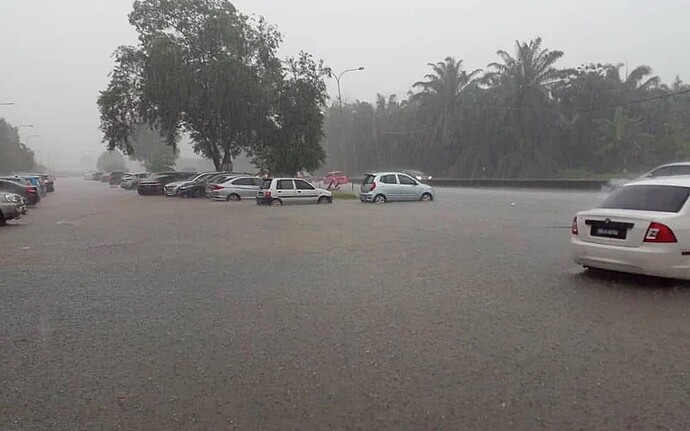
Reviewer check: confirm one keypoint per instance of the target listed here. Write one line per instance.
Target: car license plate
(606, 232)
(609, 232)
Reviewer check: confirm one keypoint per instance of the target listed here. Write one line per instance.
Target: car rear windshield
(369, 179)
(668, 199)
(266, 184)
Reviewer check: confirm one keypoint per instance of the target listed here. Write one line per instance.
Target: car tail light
(31, 189)
(267, 194)
(372, 187)
(573, 227)
(658, 232)
(218, 187)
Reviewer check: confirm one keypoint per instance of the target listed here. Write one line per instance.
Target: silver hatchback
(384, 187)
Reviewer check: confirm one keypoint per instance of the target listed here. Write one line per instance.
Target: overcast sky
(55, 55)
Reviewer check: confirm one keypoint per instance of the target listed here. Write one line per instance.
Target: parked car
(12, 207)
(235, 189)
(642, 227)
(418, 175)
(36, 181)
(97, 176)
(49, 182)
(279, 191)
(669, 170)
(385, 187)
(334, 179)
(131, 181)
(21, 187)
(197, 188)
(115, 177)
(155, 185)
(218, 179)
(174, 188)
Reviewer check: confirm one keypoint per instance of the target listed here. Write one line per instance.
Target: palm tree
(440, 98)
(524, 85)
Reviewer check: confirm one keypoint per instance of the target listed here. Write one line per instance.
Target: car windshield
(648, 198)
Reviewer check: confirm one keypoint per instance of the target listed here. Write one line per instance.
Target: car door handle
(299, 191)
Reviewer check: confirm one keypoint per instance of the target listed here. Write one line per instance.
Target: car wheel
(233, 197)
(379, 199)
(426, 197)
(276, 202)
(324, 200)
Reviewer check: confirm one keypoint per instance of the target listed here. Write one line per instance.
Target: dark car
(22, 187)
(198, 188)
(155, 185)
(115, 177)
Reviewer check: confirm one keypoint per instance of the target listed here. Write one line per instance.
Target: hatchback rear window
(266, 184)
(668, 199)
(369, 179)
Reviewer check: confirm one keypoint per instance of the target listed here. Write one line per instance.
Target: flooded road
(128, 312)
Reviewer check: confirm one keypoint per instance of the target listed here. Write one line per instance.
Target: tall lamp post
(337, 79)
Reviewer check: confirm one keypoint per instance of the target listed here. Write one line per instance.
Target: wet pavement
(127, 312)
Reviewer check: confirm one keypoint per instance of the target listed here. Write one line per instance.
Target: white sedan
(642, 228)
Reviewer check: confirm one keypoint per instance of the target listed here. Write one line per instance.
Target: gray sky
(55, 55)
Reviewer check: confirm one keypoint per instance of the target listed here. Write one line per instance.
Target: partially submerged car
(12, 207)
(280, 191)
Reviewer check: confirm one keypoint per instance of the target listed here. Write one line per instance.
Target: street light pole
(337, 79)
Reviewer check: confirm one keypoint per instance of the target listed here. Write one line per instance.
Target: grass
(344, 195)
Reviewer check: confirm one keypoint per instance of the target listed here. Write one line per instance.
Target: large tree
(440, 99)
(204, 69)
(14, 155)
(525, 83)
(290, 139)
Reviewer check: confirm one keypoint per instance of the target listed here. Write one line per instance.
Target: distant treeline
(522, 117)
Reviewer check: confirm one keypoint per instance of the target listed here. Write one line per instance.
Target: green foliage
(291, 141)
(14, 156)
(110, 161)
(204, 69)
(525, 117)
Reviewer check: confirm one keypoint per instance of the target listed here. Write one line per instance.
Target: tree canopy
(203, 69)
(110, 161)
(14, 156)
(524, 117)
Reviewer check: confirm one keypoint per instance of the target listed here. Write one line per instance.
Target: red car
(334, 179)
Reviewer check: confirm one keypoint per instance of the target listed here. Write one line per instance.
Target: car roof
(672, 164)
(386, 173)
(678, 181)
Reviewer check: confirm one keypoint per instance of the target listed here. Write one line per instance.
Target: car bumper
(263, 201)
(658, 260)
(366, 197)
